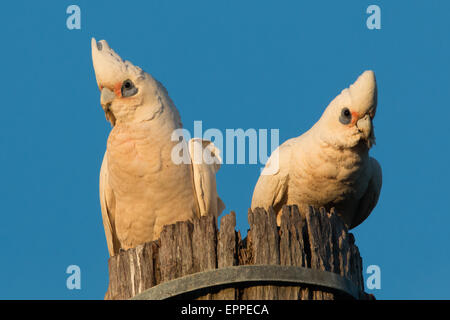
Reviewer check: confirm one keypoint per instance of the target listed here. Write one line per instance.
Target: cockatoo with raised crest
(329, 165)
(141, 187)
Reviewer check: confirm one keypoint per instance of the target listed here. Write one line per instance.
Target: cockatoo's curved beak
(106, 98)
(366, 128)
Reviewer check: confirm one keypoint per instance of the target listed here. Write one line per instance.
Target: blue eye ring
(128, 88)
(346, 116)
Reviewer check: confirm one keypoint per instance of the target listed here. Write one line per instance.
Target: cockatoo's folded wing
(206, 161)
(272, 184)
(107, 203)
(370, 198)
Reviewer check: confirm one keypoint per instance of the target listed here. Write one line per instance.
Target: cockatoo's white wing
(370, 198)
(107, 205)
(272, 184)
(206, 161)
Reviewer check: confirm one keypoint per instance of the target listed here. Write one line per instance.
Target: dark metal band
(253, 275)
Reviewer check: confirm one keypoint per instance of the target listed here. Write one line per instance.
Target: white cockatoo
(329, 165)
(142, 188)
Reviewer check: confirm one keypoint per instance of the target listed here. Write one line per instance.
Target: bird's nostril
(99, 46)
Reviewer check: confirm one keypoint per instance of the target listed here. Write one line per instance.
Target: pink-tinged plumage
(141, 188)
(329, 165)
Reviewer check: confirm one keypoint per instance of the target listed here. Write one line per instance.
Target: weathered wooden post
(311, 256)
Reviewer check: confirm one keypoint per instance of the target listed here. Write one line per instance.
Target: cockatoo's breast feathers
(109, 67)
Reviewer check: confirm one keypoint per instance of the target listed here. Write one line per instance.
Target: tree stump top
(315, 240)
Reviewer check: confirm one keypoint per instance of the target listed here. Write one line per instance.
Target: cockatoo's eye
(346, 116)
(128, 89)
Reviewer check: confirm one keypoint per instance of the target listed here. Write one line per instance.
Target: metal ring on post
(249, 274)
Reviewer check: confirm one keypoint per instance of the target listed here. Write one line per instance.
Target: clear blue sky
(252, 64)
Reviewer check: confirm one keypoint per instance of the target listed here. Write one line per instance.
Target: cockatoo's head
(347, 120)
(128, 94)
